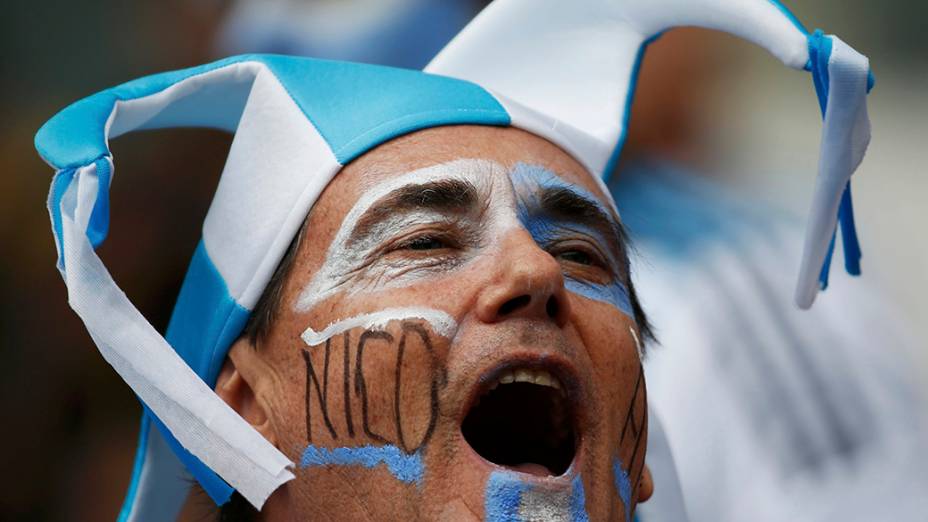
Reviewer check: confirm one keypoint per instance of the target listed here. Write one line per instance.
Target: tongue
(532, 468)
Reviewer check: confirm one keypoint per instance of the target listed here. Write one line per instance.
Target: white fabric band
(204, 424)
(845, 137)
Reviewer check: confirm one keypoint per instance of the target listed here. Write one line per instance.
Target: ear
(645, 486)
(240, 384)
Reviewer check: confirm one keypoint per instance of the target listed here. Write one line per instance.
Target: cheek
(628, 464)
(620, 392)
(397, 376)
(370, 398)
(611, 345)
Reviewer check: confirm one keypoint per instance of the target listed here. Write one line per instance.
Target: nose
(526, 282)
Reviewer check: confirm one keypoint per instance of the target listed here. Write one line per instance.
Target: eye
(576, 256)
(424, 243)
(582, 255)
(438, 240)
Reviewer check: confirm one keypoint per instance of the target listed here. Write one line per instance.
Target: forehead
(506, 146)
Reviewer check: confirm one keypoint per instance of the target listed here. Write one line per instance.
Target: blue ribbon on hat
(820, 46)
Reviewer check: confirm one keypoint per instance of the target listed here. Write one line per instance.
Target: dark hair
(645, 329)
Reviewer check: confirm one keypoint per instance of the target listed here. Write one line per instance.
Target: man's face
(455, 341)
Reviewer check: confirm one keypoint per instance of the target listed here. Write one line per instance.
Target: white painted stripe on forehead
(323, 283)
(442, 323)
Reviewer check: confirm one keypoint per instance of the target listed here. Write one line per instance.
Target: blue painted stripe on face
(527, 180)
(405, 467)
(503, 497)
(525, 176)
(624, 486)
(578, 501)
(613, 293)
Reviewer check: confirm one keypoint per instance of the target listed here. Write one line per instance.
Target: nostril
(514, 304)
(552, 307)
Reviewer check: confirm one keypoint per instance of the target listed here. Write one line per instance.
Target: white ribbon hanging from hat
(202, 422)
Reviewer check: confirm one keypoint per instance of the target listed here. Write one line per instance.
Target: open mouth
(523, 421)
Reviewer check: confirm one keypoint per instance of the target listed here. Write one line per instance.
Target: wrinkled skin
(508, 297)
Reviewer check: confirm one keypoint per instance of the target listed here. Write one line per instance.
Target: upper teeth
(539, 377)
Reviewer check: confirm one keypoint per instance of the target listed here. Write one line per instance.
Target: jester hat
(564, 71)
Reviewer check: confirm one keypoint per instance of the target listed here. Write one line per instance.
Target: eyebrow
(564, 203)
(455, 196)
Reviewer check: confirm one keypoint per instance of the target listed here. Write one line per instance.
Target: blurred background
(716, 105)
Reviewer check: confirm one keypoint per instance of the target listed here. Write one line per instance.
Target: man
(479, 307)
(455, 334)
(688, 230)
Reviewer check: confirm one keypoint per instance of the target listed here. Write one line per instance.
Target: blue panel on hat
(354, 106)
(206, 319)
(205, 322)
(76, 136)
(358, 106)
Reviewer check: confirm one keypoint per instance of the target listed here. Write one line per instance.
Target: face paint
(635, 426)
(355, 262)
(441, 323)
(613, 293)
(403, 459)
(359, 429)
(578, 501)
(508, 498)
(346, 255)
(594, 224)
(410, 336)
(405, 467)
(637, 343)
(623, 486)
(503, 497)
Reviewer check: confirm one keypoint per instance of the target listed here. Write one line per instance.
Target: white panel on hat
(574, 61)
(587, 150)
(216, 97)
(763, 22)
(256, 210)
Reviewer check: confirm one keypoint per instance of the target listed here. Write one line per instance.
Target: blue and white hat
(564, 71)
